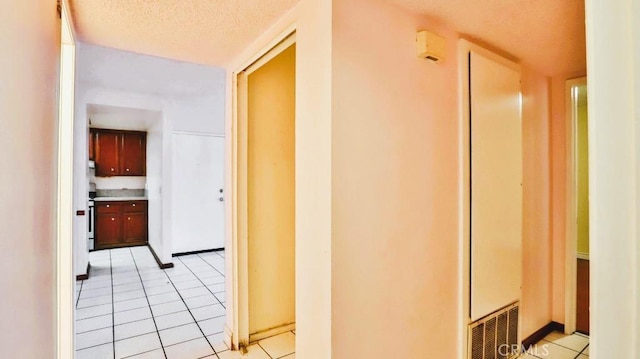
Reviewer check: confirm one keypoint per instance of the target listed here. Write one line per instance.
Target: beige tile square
(573, 341)
(217, 341)
(208, 312)
(98, 352)
(85, 325)
(154, 354)
(254, 352)
(137, 345)
(279, 345)
(213, 325)
(93, 338)
(180, 334)
(128, 330)
(173, 320)
(196, 348)
(132, 315)
(547, 350)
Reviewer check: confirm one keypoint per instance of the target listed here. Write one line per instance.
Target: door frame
(64, 276)
(237, 335)
(571, 228)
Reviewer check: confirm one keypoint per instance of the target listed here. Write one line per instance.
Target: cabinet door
(108, 230)
(133, 154)
(92, 145)
(134, 227)
(107, 152)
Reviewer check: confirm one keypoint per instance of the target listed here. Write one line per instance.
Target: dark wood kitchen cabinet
(134, 154)
(120, 153)
(134, 222)
(107, 153)
(92, 145)
(121, 224)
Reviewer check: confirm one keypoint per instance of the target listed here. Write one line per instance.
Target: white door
(198, 179)
(496, 185)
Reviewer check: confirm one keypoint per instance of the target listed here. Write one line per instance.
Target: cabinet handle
(127, 170)
(134, 204)
(129, 218)
(108, 206)
(113, 218)
(112, 170)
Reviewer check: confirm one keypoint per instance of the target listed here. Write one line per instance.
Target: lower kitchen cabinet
(121, 224)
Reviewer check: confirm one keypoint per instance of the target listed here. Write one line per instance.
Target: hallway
(163, 314)
(173, 313)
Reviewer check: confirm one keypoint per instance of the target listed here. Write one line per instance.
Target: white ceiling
(545, 34)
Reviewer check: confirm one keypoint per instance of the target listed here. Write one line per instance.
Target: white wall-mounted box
(430, 46)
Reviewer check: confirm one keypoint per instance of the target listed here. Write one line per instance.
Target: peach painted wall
(395, 213)
(29, 68)
(395, 183)
(537, 247)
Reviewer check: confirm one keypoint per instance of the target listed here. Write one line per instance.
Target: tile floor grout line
(113, 314)
(582, 351)
(209, 264)
(264, 350)
(200, 280)
(149, 304)
(573, 350)
(192, 316)
(80, 291)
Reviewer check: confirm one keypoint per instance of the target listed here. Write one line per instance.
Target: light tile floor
(129, 308)
(560, 346)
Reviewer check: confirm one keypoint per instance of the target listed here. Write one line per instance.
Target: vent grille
(496, 335)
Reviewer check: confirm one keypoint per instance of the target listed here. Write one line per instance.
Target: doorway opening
(264, 201)
(577, 231)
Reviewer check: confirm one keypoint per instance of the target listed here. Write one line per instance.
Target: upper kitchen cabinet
(107, 147)
(134, 154)
(92, 145)
(120, 153)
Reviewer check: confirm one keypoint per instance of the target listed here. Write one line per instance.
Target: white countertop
(110, 199)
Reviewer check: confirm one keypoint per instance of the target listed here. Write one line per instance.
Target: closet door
(496, 185)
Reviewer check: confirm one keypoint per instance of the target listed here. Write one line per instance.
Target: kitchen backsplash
(121, 192)
(120, 182)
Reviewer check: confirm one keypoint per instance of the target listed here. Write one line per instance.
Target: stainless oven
(92, 223)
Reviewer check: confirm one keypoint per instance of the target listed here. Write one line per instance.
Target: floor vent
(495, 336)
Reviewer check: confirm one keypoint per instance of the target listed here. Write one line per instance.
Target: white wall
(30, 46)
(394, 191)
(190, 97)
(154, 183)
(613, 60)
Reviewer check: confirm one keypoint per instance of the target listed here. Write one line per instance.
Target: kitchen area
(149, 156)
(117, 217)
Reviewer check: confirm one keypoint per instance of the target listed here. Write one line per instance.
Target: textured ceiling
(548, 35)
(202, 31)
